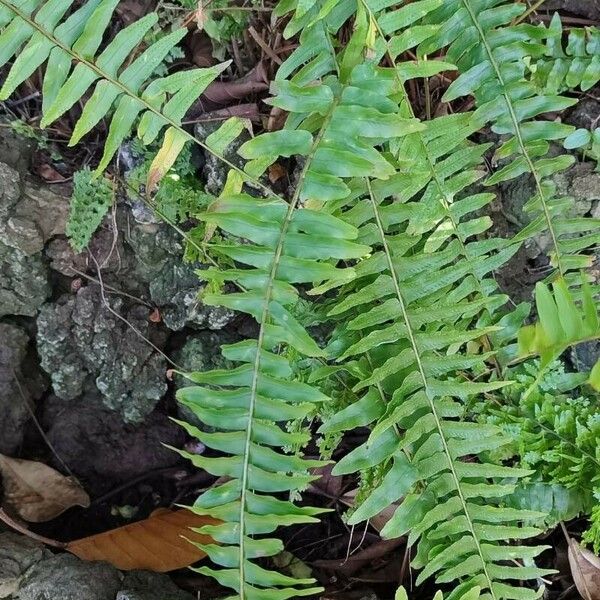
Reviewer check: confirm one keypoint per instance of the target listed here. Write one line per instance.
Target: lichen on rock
(80, 341)
(173, 284)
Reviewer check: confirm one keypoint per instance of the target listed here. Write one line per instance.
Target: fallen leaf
(159, 543)
(585, 568)
(49, 173)
(226, 93)
(37, 493)
(155, 316)
(276, 172)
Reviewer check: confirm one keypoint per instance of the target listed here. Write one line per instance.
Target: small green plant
(554, 432)
(39, 136)
(91, 199)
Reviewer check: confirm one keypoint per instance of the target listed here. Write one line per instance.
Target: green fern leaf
(491, 55)
(35, 37)
(576, 66)
(286, 245)
(562, 323)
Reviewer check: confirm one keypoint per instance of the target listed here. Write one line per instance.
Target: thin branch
(34, 536)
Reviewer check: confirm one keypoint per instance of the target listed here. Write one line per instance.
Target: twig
(124, 320)
(265, 47)
(528, 12)
(34, 536)
(39, 428)
(110, 289)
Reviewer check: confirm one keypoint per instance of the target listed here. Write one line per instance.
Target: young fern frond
(35, 35)
(571, 67)
(490, 54)
(562, 323)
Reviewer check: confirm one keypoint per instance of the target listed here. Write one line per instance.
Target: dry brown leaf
(37, 493)
(156, 544)
(585, 568)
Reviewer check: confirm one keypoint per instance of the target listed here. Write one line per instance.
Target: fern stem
(424, 379)
(518, 134)
(121, 86)
(260, 339)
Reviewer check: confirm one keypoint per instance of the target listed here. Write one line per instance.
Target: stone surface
(585, 114)
(65, 577)
(143, 585)
(23, 277)
(30, 572)
(101, 449)
(30, 215)
(589, 9)
(173, 285)
(17, 555)
(20, 383)
(80, 341)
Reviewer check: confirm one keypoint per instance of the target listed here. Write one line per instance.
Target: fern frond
(90, 201)
(443, 155)
(448, 504)
(562, 323)
(414, 304)
(490, 55)
(571, 67)
(70, 47)
(337, 134)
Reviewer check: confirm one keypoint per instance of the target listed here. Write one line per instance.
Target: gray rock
(585, 113)
(143, 585)
(23, 282)
(584, 8)
(17, 555)
(29, 216)
(37, 216)
(585, 356)
(15, 150)
(173, 284)
(215, 170)
(20, 383)
(65, 577)
(80, 340)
